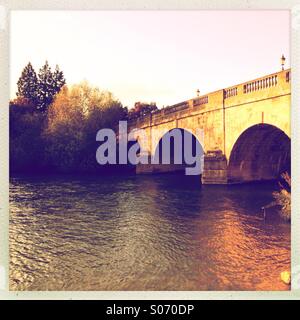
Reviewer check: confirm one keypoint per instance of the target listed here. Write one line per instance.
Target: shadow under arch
(183, 145)
(262, 152)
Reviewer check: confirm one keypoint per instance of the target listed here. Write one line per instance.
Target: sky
(151, 56)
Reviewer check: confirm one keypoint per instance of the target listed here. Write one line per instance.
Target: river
(160, 232)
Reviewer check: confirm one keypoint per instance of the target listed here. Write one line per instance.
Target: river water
(162, 232)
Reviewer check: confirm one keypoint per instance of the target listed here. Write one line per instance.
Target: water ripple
(143, 233)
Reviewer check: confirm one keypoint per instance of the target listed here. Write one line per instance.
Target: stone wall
(223, 116)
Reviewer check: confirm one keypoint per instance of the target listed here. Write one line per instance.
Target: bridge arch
(261, 152)
(184, 151)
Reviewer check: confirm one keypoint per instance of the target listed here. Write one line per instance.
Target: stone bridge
(246, 130)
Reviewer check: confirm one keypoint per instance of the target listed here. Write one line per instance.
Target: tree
(49, 84)
(58, 79)
(40, 89)
(142, 109)
(28, 84)
(25, 130)
(74, 118)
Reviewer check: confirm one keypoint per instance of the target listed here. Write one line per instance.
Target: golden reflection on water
(241, 258)
(155, 233)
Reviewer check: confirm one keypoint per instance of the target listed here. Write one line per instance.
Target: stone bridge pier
(243, 130)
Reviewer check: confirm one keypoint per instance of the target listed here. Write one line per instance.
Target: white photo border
(6, 6)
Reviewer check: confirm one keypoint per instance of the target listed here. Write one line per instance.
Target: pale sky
(151, 56)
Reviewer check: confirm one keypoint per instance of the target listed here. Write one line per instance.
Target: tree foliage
(28, 84)
(63, 139)
(40, 88)
(142, 109)
(25, 138)
(73, 121)
(49, 84)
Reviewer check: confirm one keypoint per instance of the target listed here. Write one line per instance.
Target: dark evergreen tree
(59, 79)
(28, 84)
(49, 84)
(40, 89)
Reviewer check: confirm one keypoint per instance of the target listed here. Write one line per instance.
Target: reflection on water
(162, 232)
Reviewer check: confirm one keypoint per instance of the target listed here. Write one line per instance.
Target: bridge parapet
(266, 87)
(270, 86)
(230, 92)
(200, 101)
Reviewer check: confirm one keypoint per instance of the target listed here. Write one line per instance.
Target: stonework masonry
(224, 115)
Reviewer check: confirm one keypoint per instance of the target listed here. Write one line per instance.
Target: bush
(25, 140)
(283, 197)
